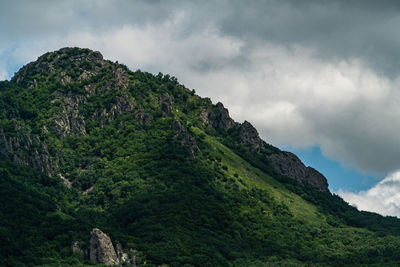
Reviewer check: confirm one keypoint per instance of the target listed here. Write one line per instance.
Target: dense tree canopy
(148, 171)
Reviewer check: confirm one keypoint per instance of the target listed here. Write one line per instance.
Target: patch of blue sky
(9, 64)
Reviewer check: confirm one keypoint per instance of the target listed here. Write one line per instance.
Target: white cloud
(161, 47)
(383, 198)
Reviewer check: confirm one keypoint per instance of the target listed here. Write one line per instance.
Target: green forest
(88, 143)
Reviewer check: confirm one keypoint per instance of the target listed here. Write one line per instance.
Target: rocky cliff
(284, 163)
(288, 164)
(216, 116)
(102, 251)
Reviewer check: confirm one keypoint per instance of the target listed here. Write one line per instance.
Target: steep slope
(170, 177)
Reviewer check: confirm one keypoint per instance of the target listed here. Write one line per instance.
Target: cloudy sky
(320, 78)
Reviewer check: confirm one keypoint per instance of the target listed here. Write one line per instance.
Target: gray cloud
(304, 72)
(344, 29)
(362, 29)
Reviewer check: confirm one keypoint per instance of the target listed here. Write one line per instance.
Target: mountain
(100, 164)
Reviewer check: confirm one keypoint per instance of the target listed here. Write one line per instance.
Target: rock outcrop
(186, 139)
(15, 147)
(105, 116)
(289, 165)
(165, 103)
(54, 64)
(249, 136)
(142, 117)
(124, 257)
(217, 117)
(284, 163)
(102, 249)
(69, 121)
(77, 68)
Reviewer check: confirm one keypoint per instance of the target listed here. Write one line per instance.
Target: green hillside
(87, 143)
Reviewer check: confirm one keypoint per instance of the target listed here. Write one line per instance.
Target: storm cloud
(305, 73)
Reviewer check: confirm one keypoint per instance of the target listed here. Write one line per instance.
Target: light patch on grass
(251, 177)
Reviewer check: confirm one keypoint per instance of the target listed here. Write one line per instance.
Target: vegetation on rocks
(86, 143)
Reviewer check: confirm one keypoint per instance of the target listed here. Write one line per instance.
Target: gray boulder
(101, 248)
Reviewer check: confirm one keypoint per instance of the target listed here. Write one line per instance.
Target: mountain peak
(85, 91)
(67, 64)
(169, 176)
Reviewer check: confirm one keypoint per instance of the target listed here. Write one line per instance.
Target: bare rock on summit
(102, 249)
(53, 64)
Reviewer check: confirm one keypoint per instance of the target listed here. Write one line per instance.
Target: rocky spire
(102, 249)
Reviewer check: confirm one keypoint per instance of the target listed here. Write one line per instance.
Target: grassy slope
(251, 177)
(337, 243)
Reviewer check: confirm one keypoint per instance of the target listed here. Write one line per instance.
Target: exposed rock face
(142, 117)
(121, 77)
(105, 116)
(85, 64)
(166, 102)
(249, 135)
(284, 163)
(288, 164)
(122, 256)
(102, 251)
(55, 63)
(187, 140)
(101, 248)
(69, 121)
(15, 147)
(123, 104)
(217, 117)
